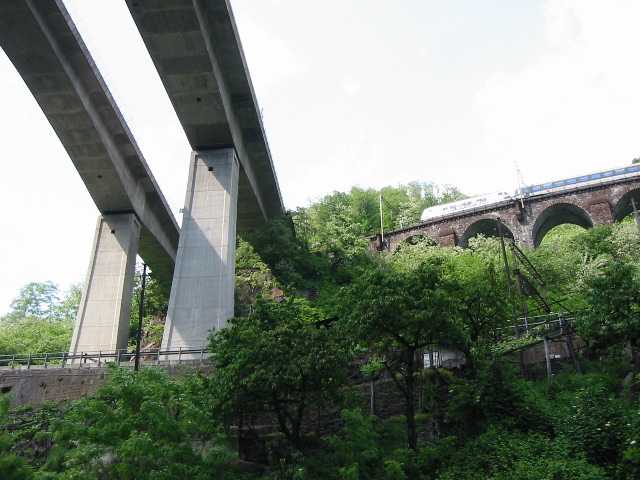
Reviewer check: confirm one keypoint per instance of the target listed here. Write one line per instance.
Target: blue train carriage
(580, 181)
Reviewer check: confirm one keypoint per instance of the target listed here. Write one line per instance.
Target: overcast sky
(353, 92)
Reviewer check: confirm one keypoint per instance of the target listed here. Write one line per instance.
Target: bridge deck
(48, 52)
(197, 52)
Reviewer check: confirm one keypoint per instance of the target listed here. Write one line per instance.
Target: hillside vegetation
(327, 332)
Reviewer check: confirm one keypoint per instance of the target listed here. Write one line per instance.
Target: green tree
(418, 197)
(278, 356)
(610, 288)
(41, 301)
(32, 335)
(360, 453)
(482, 294)
(343, 220)
(253, 279)
(501, 454)
(67, 308)
(156, 302)
(399, 312)
(596, 424)
(288, 257)
(142, 425)
(35, 300)
(12, 467)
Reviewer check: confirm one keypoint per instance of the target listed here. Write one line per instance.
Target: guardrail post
(201, 354)
(29, 362)
(180, 356)
(46, 357)
(118, 357)
(64, 359)
(13, 362)
(158, 358)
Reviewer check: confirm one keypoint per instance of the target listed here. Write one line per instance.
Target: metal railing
(123, 357)
(552, 319)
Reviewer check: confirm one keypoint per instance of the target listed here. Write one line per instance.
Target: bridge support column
(104, 313)
(203, 282)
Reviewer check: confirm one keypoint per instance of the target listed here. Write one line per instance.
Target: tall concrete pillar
(203, 281)
(104, 313)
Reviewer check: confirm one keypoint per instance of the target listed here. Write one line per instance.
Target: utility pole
(521, 183)
(381, 224)
(511, 295)
(507, 273)
(140, 316)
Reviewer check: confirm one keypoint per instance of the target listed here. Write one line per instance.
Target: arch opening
(417, 239)
(559, 214)
(487, 227)
(559, 232)
(624, 207)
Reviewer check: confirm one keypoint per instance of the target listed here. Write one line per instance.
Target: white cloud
(351, 86)
(354, 157)
(575, 108)
(269, 57)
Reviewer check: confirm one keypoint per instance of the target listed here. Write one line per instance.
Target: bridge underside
(196, 49)
(197, 52)
(43, 44)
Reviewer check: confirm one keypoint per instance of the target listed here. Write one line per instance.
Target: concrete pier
(203, 281)
(104, 314)
(197, 52)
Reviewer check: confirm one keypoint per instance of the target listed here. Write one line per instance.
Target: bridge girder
(196, 49)
(46, 49)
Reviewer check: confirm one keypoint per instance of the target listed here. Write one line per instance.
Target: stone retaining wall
(54, 384)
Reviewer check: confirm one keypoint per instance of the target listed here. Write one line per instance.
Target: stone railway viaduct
(526, 221)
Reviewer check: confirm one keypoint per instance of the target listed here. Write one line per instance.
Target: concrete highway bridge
(527, 221)
(232, 183)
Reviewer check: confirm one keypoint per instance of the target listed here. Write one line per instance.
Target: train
(565, 184)
(461, 206)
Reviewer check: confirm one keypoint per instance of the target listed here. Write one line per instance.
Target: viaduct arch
(527, 221)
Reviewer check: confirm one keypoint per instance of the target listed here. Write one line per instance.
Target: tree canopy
(280, 355)
(325, 330)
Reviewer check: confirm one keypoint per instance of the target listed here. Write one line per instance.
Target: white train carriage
(466, 205)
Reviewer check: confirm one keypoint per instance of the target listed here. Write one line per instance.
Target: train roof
(635, 167)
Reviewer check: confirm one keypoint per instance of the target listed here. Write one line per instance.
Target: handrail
(125, 357)
(531, 322)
